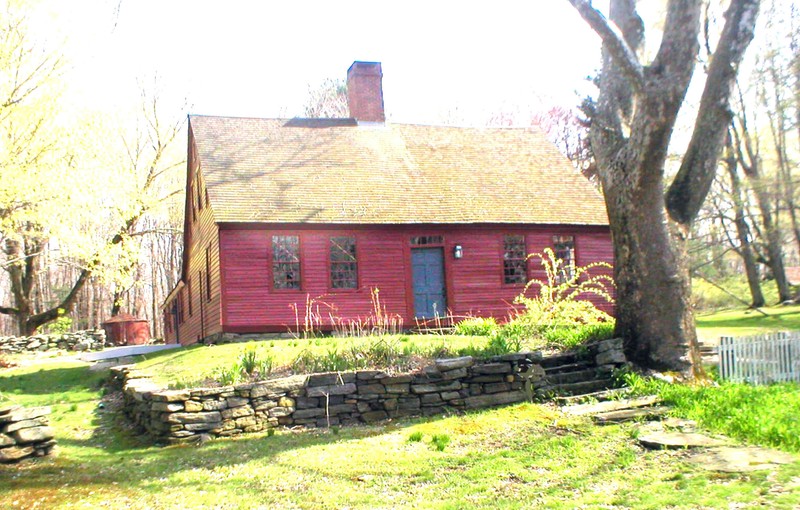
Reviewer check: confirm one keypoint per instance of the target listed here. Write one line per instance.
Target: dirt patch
(741, 459)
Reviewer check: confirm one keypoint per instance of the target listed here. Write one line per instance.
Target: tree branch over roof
(690, 186)
(614, 43)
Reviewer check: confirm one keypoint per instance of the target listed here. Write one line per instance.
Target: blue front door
(427, 267)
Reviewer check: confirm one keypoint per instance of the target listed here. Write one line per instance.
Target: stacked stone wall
(24, 433)
(87, 340)
(337, 398)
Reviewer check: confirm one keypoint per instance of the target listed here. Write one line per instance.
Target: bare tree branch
(614, 42)
(689, 188)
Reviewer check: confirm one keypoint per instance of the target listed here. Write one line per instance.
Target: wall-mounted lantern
(458, 251)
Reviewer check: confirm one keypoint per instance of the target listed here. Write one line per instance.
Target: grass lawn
(522, 456)
(184, 367)
(190, 366)
(743, 322)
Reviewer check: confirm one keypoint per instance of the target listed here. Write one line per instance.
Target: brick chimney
(365, 92)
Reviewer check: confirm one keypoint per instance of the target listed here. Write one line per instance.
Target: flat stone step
(596, 396)
(577, 376)
(623, 415)
(611, 405)
(741, 459)
(569, 367)
(581, 388)
(557, 360)
(126, 351)
(675, 440)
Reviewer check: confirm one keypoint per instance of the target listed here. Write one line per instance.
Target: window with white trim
(286, 262)
(344, 264)
(564, 249)
(515, 263)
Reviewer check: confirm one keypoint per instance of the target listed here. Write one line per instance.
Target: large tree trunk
(24, 256)
(630, 132)
(653, 289)
(772, 233)
(745, 248)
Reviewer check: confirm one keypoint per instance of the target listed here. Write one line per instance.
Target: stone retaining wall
(24, 433)
(337, 398)
(87, 340)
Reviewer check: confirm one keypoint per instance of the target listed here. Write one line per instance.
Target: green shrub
(248, 361)
(228, 375)
(762, 415)
(265, 365)
(382, 352)
(708, 297)
(570, 337)
(476, 326)
(249, 366)
(440, 441)
(415, 437)
(60, 326)
(560, 315)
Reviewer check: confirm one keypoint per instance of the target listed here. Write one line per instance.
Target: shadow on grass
(46, 381)
(111, 457)
(101, 450)
(784, 317)
(168, 354)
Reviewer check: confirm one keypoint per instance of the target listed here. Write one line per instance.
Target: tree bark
(25, 254)
(653, 311)
(745, 248)
(772, 234)
(634, 118)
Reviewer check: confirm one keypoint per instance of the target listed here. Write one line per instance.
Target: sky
(442, 60)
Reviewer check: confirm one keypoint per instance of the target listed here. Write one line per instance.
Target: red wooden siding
(201, 246)
(474, 284)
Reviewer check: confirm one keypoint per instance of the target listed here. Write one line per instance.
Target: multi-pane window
(423, 240)
(179, 308)
(199, 194)
(286, 262)
(344, 266)
(208, 274)
(189, 291)
(564, 249)
(514, 259)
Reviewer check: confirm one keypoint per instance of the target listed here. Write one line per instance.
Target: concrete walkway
(125, 351)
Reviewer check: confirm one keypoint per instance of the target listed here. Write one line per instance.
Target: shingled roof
(340, 171)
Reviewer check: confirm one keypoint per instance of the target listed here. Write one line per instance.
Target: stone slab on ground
(125, 351)
(624, 415)
(611, 405)
(8, 409)
(675, 440)
(602, 395)
(680, 424)
(25, 413)
(114, 362)
(741, 459)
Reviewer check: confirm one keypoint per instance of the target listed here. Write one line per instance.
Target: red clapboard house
(438, 219)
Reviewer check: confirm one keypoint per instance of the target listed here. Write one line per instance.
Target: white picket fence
(760, 359)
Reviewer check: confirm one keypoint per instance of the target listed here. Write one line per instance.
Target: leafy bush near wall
(385, 353)
(707, 297)
(476, 326)
(560, 315)
(249, 366)
(570, 337)
(754, 414)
